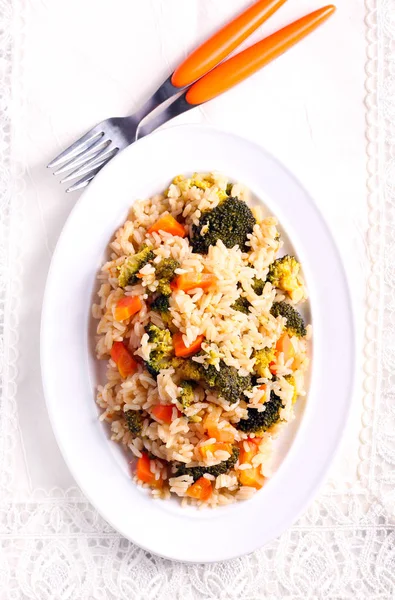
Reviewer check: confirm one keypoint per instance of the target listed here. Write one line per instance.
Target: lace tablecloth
(326, 110)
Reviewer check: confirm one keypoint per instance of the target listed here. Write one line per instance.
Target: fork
(94, 149)
(88, 155)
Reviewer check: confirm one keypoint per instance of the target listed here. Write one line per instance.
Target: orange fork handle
(244, 64)
(222, 43)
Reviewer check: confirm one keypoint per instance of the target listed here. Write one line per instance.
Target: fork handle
(244, 64)
(238, 68)
(223, 42)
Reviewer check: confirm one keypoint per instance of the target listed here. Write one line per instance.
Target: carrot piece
(285, 345)
(226, 434)
(273, 367)
(222, 435)
(181, 349)
(191, 281)
(126, 307)
(201, 489)
(123, 359)
(168, 224)
(210, 424)
(163, 412)
(204, 450)
(246, 456)
(252, 478)
(144, 473)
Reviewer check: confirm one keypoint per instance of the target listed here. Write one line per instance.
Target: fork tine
(85, 180)
(79, 146)
(94, 150)
(87, 167)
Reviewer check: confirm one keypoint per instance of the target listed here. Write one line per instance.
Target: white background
(75, 63)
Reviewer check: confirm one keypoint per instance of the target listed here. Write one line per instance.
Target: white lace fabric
(57, 77)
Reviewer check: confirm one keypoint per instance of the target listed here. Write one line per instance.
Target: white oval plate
(70, 372)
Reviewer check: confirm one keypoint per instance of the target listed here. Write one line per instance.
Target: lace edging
(10, 264)
(372, 292)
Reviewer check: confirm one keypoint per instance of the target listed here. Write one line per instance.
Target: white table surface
(69, 65)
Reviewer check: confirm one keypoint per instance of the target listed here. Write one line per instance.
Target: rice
(204, 433)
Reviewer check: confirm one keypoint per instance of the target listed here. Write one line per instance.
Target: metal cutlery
(201, 77)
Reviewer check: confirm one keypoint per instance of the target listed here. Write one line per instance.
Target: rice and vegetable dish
(206, 351)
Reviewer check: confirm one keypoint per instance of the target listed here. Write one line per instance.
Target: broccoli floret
(132, 265)
(262, 421)
(160, 337)
(263, 358)
(164, 287)
(231, 221)
(291, 381)
(134, 421)
(258, 286)
(162, 353)
(164, 273)
(242, 305)
(188, 368)
(295, 324)
(186, 396)
(210, 374)
(284, 274)
(227, 382)
(220, 469)
(160, 304)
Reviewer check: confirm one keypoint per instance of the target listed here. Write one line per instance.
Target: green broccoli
(263, 358)
(161, 305)
(242, 305)
(295, 324)
(188, 369)
(132, 265)
(134, 421)
(258, 285)
(186, 396)
(220, 469)
(162, 353)
(210, 374)
(231, 221)
(164, 273)
(284, 274)
(226, 382)
(258, 422)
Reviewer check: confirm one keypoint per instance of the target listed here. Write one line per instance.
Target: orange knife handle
(244, 64)
(222, 43)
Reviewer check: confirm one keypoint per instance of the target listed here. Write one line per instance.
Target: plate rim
(350, 309)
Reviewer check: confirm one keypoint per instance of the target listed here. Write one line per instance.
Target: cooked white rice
(230, 336)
